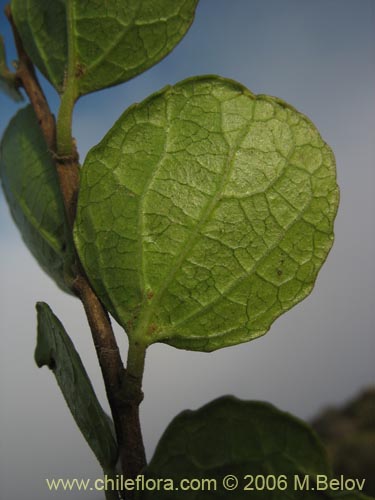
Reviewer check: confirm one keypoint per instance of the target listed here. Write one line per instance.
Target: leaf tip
(42, 354)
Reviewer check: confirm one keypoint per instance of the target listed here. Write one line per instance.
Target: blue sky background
(319, 55)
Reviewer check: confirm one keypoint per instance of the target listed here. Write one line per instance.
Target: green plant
(200, 186)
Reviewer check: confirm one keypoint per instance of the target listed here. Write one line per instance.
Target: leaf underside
(107, 42)
(230, 436)
(32, 191)
(205, 213)
(56, 350)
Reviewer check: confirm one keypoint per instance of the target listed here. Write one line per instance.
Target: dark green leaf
(8, 82)
(56, 350)
(205, 213)
(241, 438)
(31, 187)
(97, 43)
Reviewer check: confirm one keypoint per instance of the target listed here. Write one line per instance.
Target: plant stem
(66, 153)
(105, 342)
(66, 160)
(136, 361)
(133, 456)
(111, 494)
(65, 145)
(26, 76)
(123, 387)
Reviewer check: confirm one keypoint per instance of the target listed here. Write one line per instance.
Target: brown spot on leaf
(80, 70)
(152, 328)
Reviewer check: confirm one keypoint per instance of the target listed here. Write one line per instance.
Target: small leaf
(8, 82)
(240, 438)
(31, 187)
(98, 43)
(56, 350)
(205, 213)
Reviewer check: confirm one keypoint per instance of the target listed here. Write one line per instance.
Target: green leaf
(31, 188)
(205, 213)
(240, 438)
(97, 43)
(56, 350)
(8, 83)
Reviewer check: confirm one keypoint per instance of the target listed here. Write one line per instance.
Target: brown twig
(67, 167)
(124, 400)
(25, 73)
(123, 391)
(104, 339)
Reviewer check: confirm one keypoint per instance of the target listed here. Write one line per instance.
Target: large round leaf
(99, 43)
(31, 188)
(241, 449)
(205, 213)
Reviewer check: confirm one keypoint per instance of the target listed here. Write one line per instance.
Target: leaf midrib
(191, 240)
(119, 38)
